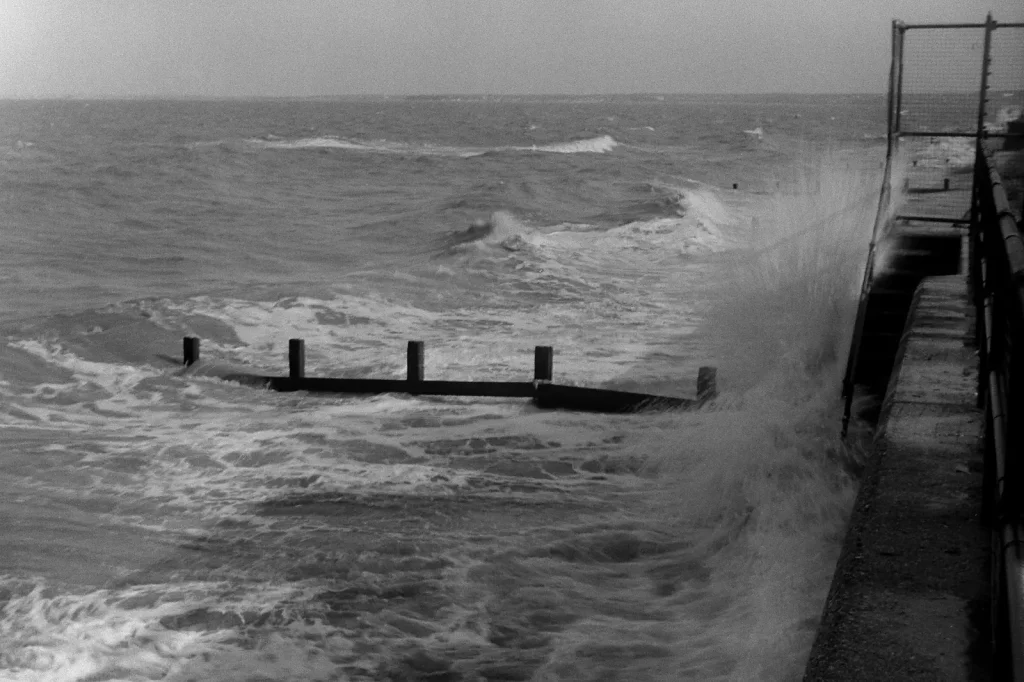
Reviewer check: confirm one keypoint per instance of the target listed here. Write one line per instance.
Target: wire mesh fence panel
(1005, 97)
(941, 78)
(936, 177)
(1004, 111)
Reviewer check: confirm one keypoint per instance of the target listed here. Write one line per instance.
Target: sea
(159, 522)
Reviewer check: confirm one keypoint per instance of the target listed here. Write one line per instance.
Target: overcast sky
(231, 48)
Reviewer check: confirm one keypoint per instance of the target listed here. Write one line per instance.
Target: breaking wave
(760, 481)
(595, 145)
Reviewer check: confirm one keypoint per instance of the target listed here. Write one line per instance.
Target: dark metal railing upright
(998, 258)
(881, 218)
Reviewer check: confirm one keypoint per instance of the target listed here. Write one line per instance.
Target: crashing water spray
(760, 482)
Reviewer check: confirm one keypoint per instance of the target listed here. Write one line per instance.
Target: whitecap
(594, 145)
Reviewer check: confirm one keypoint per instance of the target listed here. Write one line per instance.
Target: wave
(698, 201)
(761, 476)
(670, 236)
(595, 145)
(697, 229)
(502, 229)
(320, 142)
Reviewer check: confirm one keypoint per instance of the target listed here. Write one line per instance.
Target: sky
(278, 48)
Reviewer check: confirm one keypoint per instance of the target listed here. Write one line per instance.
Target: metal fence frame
(996, 262)
(894, 133)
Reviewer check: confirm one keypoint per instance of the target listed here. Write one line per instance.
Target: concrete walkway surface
(909, 599)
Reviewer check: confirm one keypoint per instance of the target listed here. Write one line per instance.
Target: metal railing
(941, 81)
(881, 218)
(997, 264)
(951, 81)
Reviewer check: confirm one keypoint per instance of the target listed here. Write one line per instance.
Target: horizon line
(452, 95)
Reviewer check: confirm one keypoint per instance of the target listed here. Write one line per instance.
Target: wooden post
(945, 184)
(543, 363)
(707, 386)
(296, 359)
(415, 361)
(191, 350)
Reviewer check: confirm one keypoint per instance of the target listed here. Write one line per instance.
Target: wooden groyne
(541, 390)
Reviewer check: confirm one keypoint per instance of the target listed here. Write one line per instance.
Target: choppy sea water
(160, 524)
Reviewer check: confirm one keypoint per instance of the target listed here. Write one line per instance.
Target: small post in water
(945, 184)
(543, 363)
(415, 361)
(707, 386)
(191, 350)
(296, 359)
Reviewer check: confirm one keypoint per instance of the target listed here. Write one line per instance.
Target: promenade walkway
(909, 598)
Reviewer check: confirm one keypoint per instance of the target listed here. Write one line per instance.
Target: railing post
(543, 363)
(881, 217)
(296, 359)
(414, 361)
(191, 347)
(986, 62)
(896, 83)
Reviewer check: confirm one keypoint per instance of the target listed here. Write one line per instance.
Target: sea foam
(759, 480)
